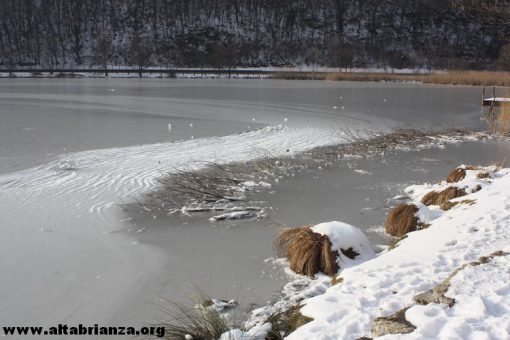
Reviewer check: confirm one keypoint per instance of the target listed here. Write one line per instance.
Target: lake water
(74, 155)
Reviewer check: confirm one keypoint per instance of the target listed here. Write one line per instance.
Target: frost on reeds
(438, 198)
(365, 143)
(401, 220)
(211, 186)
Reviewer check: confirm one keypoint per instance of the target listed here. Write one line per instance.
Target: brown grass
(456, 175)
(307, 252)
(448, 205)
(401, 220)
(438, 198)
(477, 78)
(286, 322)
(459, 173)
(503, 119)
(335, 280)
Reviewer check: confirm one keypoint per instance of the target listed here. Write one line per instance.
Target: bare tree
(491, 12)
(139, 53)
(103, 50)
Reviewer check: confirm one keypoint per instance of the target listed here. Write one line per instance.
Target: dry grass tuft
(307, 252)
(438, 198)
(456, 175)
(201, 323)
(460, 173)
(286, 322)
(401, 220)
(336, 280)
(448, 205)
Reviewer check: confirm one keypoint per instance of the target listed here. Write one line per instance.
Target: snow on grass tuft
(344, 236)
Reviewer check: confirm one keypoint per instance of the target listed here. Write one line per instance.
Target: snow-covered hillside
(342, 33)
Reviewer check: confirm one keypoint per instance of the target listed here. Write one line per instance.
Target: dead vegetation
(502, 124)
(498, 119)
(307, 252)
(200, 320)
(286, 322)
(401, 220)
(335, 280)
(205, 186)
(366, 144)
(438, 198)
(209, 186)
(448, 205)
(476, 78)
(459, 173)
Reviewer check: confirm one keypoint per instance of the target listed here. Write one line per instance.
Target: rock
(393, 324)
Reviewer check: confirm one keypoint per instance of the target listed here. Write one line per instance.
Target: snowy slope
(389, 283)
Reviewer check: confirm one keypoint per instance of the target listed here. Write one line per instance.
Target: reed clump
(448, 205)
(198, 321)
(401, 220)
(438, 198)
(459, 173)
(285, 322)
(307, 252)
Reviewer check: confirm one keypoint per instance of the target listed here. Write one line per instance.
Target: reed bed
(502, 125)
(475, 78)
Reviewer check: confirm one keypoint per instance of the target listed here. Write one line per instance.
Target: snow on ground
(389, 282)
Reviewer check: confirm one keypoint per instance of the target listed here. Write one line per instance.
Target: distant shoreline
(475, 78)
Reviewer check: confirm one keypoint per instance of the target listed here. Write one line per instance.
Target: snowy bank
(448, 280)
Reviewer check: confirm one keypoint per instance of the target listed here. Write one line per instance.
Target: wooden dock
(495, 101)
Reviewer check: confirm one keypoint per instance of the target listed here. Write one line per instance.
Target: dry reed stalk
(477, 78)
(401, 220)
(503, 119)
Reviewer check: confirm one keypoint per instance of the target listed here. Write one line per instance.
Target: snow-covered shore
(389, 283)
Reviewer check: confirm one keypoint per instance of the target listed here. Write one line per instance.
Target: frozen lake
(74, 153)
(42, 118)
